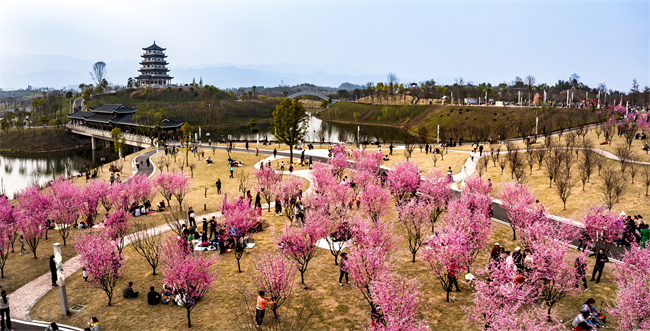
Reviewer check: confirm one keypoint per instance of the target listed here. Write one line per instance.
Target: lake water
(334, 132)
(17, 171)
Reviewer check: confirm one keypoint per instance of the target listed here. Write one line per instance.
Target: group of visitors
(589, 318)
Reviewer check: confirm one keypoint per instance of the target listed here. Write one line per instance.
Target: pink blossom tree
(103, 264)
(299, 244)
(496, 293)
(288, 192)
(375, 202)
(632, 306)
(173, 249)
(275, 275)
(240, 220)
(335, 219)
(370, 255)
(404, 181)
(469, 215)
(64, 211)
(414, 218)
(6, 232)
(164, 185)
(446, 255)
(400, 299)
(516, 199)
(141, 188)
(192, 276)
(435, 189)
(602, 227)
(117, 228)
(34, 207)
(339, 160)
(91, 196)
(266, 180)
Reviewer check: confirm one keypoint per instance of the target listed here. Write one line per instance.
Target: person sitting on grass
(161, 206)
(93, 325)
(153, 297)
(128, 292)
(208, 160)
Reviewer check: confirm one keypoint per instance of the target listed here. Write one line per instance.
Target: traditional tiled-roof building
(154, 67)
(107, 117)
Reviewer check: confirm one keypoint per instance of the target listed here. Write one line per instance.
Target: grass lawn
(452, 159)
(338, 308)
(633, 200)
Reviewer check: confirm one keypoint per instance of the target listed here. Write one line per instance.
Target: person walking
(232, 170)
(343, 269)
(22, 245)
(601, 259)
(645, 235)
(390, 148)
(480, 150)
(112, 178)
(218, 185)
(472, 155)
(4, 311)
(258, 200)
(53, 270)
(291, 169)
(450, 175)
(282, 165)
(581, 272)
(262, 301)
(275, 153)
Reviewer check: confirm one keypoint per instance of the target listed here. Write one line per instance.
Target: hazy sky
(604, 41)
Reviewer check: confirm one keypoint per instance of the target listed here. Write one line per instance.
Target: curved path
(25, 297)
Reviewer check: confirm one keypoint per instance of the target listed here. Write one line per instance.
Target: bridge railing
(129, 138)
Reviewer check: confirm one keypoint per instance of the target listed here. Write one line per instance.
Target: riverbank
(40, 140)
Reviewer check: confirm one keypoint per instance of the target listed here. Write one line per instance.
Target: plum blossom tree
(181, 186)
(117, 228)
(400, 299)
(240, 220)
(414, 217)
(632, 276)
(191, 275)
(34, 208)
(299, 244)
(173, 249)
(602, 227)
(6, 232)
(404, 181)
(517, 199)
(288, 192)
(91, 196)
(163, 183)
(446, 256)
(103, 263)
(339, 160)
(141, 188)
(335, 218)
(370, 254)
(64, 211)
(375, 202)
(275, 275)
(266, 180)
(435, 189)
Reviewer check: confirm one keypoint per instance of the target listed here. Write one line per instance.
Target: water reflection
(42, 167)
(330, 131)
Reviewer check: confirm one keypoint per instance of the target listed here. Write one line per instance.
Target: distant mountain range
(62, 71)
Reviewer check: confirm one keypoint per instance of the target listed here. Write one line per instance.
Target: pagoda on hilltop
(154, 67)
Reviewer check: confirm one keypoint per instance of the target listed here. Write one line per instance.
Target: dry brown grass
(633, 201)
(339, 308)
(452, 159)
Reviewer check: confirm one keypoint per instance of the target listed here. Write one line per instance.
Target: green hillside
(462, 121)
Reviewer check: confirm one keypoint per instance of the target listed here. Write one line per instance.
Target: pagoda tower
(154, 67)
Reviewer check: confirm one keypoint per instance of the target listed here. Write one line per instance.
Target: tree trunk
(290, 154)
(448, 296)
(238, 266)
(514, 233)
(302, 277)
(189, 320)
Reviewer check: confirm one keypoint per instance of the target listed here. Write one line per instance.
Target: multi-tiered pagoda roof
(153, 70)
